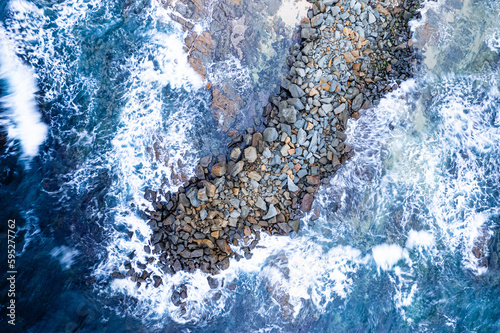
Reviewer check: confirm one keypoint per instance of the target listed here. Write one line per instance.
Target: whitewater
(99, 102)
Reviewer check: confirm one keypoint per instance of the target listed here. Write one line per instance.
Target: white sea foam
(153, 145)
(292, 11)
(493, 41)
(386, 256)
(65, 255)
(22, 120)
(312, 267)
(277, 268)
(230, 70)
(34, 33)
(420, 238)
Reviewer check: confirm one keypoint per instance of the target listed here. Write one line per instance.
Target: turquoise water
(405, 238)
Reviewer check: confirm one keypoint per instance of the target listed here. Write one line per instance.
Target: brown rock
(207, 242)
(235, 154)
(210, 188)
(349, 57)
(222, 244)
(256, 138)
(247, 231)
(202, 194)
(335, 160)
(254, 175)
(313, 92)
(219, 169)
(313, 180)
(307, 202)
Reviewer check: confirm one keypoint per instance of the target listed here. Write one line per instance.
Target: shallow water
(392, 244)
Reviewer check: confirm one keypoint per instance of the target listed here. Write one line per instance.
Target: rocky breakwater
(351, 53)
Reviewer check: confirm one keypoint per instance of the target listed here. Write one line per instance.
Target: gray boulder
(270, 134)
(296, 91)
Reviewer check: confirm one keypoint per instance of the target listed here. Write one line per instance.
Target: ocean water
(98, 102)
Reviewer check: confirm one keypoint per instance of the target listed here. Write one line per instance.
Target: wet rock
(150, 195)
(224, 264)
(157, 281)
(213, 283)
(177, 267)
(307, 202)
(294, 224)
(183, 200)
(285, 227)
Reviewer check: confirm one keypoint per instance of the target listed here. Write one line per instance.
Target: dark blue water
(98, 103)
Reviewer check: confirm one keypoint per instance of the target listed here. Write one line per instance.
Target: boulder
(237, 168)
(289, 115)
(261, 204)
(219, 169)
(340, 108)
(357, 102)
(202, 194)
(296, 91)
(251, 154)
(317, 20)
(210, 188)
(235, 154)
(313, 180)
(272, 212)
(301, 137)
(307, 202)
(294, 224)
(270, 134)
(197, 253)
(291, 185)
(213, 283)
(205, 161)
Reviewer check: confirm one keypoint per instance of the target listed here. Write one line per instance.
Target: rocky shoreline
(351, 53)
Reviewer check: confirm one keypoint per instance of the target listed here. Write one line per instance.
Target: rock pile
(351, 53)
